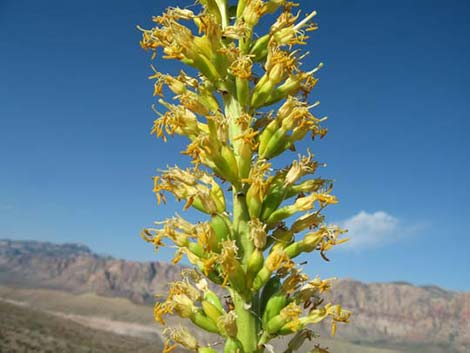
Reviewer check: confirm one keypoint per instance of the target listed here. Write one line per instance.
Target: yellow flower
(325, 199)
(292, 313)
(293, 281)
(209, 263)
(338, 315)
(308, 220)
(237, 31)
(228, 256)
(254, 9)
(298, 340)
(305, 165)
(283, 32)
(151, 236)
(178, 256)
(206, 237)
(257, 233)
(182, 336)
(305, 203)
(161, 309)
(330, 238)
(294, 112)
(279, 64)
(194, 103)
(177, 119)
(195, 186)
(183, 287)
(169, 348)
(182, 305)
(242, 67)
(227, 324)
(278, 259)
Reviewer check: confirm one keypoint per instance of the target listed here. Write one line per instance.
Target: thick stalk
(240, 223)
(241, 217)
(246, 323)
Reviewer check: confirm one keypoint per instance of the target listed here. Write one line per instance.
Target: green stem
(247, 320)
(246, 324)
(241, 216)
(240, 223)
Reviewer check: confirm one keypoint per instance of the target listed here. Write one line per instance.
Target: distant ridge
(383, 312)
(76, 269)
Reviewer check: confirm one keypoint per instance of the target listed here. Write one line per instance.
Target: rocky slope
(388, 313)
(23, 329)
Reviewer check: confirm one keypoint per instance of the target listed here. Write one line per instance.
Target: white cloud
(373, 229)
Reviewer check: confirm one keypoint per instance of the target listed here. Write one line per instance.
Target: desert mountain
(386, 313)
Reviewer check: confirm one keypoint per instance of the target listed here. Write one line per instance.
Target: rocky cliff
(401, 312)
(75, 268)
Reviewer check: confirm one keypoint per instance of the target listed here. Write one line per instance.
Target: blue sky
(76, 155)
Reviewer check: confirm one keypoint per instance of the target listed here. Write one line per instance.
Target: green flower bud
(204, 322)
(269, 290)
(221, 226)
(211, 310)
(259, 49)
(274, 306)
(266, 135)
(255, 264)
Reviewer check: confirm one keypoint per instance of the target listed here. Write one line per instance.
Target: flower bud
(311, 185)
(266, 135)
(254, 265)
(274, 306)
(204, 322)
(259, 49)
(211, 310)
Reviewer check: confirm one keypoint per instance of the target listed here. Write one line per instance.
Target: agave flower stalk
(247, 104)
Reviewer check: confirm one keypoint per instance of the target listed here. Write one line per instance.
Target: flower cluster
(248, 104)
